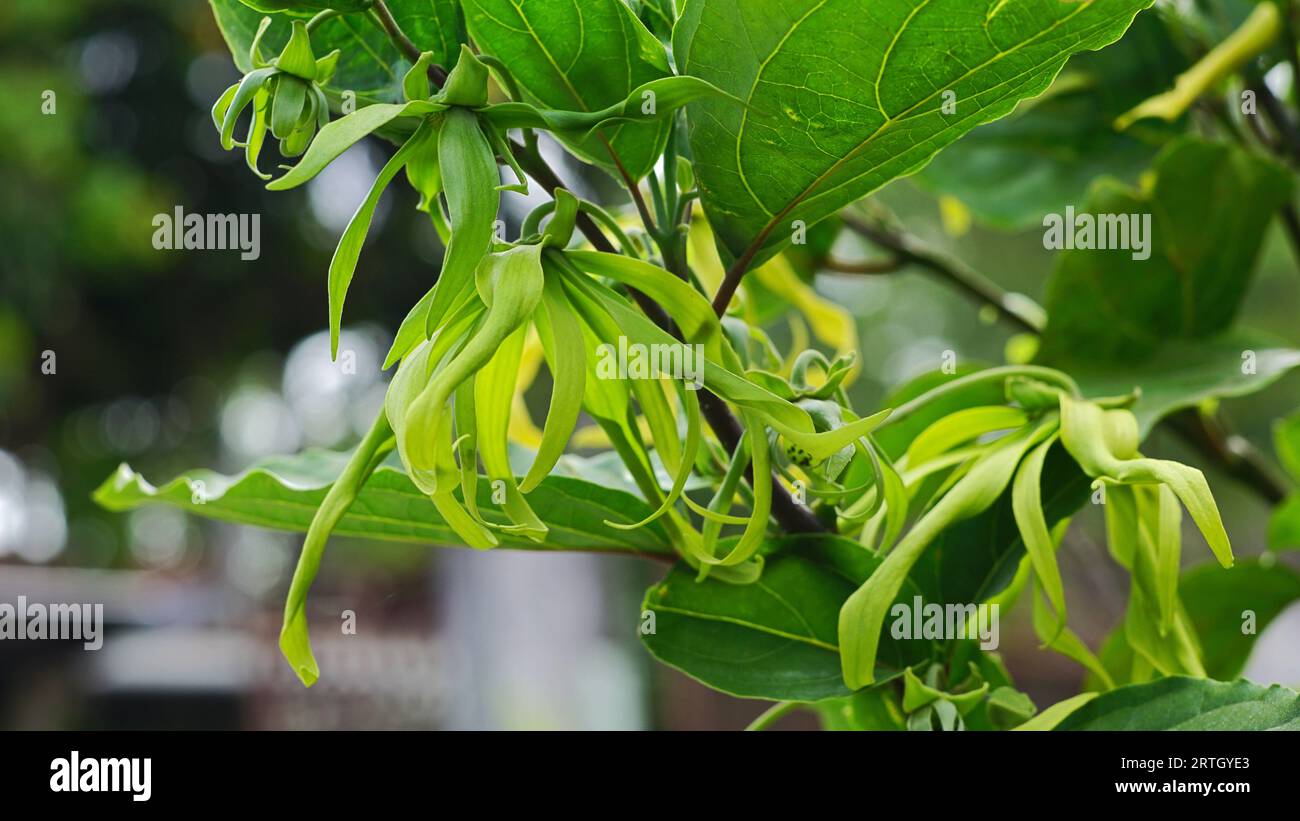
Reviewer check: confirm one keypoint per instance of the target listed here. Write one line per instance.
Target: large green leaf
(1183, 374)
(576, 56)
(1209, 209)
(778, 637)
(1284, 525)
(284, 492)
(370, 65)
(1218, 601)
(1181, 703)
(1286, 441)
(843, 97)
(1045, 156)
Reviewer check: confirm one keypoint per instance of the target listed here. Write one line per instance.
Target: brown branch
(839, 266)
(1236, 456)
(910, 252)
(386, 21)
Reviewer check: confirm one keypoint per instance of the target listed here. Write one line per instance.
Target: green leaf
(578, 57)
(1046, 155)
(873, 709)
(283, 493)
(1286, 441)
(1218, 600)
(844, 98)
(1208, 212)
(370, 66)
(776, 639)
(1284, 525)
(1181, 703)
(1185, 374)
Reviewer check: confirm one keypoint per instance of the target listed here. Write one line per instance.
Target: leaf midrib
(775, 220)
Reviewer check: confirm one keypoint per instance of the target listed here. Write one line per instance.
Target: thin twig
(1017, 309)
(872, 268)
(773, 714)
(384, 18)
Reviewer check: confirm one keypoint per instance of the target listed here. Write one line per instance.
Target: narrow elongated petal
(465, 156)
(566, 353)
(244, 93)
(342, 134)
(511, 282)
(1027, 506)
(294, 641)
(344, 263)
(961, 427)
(290, 98)
(862, 616)
(494, 392)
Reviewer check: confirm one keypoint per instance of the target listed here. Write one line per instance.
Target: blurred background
(172, 360)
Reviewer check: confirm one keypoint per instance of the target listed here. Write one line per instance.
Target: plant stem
(772, 715)
(1286, 146)
(731, 281)
(321, 17)
(383, 18)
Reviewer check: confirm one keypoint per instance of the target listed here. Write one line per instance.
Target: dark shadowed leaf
(370, 66)
(1181, 703)
(1219, 600)
(777, 638)
(1208, 210)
